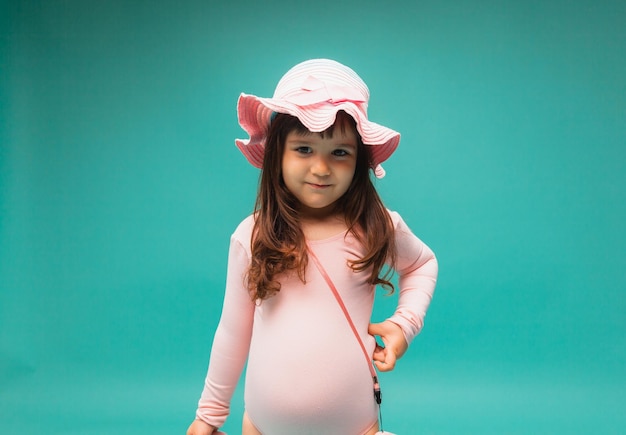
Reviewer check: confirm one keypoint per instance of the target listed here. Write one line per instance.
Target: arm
(230, 346)
(417, 269)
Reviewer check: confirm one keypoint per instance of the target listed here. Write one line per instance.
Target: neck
(321, 225)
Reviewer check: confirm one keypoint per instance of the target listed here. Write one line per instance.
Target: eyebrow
(303, 141)
(347, 145)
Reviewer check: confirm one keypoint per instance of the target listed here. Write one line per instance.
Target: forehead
(344, 128)
(342, 137)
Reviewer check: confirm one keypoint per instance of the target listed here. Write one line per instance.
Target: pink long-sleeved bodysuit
(306, 372)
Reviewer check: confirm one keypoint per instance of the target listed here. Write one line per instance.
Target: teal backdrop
(120, 185)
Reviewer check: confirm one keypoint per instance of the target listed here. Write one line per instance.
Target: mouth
(318, 186)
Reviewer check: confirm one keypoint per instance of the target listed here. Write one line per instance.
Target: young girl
(316, 203)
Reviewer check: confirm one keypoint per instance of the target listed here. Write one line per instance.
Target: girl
(318, 225)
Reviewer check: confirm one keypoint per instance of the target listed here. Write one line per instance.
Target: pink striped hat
(314, 91)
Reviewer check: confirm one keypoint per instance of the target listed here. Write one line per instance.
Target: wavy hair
(278, 243)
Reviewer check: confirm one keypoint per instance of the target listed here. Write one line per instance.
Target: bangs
(343, 121)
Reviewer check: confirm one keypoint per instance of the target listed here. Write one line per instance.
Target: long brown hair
(278, 243)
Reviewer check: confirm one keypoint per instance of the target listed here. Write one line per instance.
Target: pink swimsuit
(305, 370)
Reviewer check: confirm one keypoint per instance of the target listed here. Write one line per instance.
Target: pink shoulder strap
(318, 264)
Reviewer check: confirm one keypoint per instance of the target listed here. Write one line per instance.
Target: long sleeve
(231, 342)
(417, 270)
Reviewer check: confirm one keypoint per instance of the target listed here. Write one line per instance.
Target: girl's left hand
(394, 344)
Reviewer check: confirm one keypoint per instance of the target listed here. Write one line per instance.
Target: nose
(320, 167)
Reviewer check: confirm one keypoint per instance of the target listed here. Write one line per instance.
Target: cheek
(288, 176)
(349, 173)
(284, 169)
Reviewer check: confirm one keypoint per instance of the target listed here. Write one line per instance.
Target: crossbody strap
(318, 264)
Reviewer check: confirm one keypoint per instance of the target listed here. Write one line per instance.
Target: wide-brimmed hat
(314, 91)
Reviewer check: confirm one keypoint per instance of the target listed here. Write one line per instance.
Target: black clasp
(377, 394)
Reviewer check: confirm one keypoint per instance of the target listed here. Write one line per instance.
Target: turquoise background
(120, 185)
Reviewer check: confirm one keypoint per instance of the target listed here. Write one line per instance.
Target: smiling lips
(318, 186)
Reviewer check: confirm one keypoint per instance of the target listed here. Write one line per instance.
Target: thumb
(375, 329)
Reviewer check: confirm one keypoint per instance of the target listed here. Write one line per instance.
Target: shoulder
(406, 240)
(396, 219)
(243, 233)
(409, 247)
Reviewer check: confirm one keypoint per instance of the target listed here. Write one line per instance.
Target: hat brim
(255, 113)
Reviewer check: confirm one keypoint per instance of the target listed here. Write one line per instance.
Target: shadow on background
(120, 185)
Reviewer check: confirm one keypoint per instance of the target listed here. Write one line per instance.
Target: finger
(379, 354)
(389, 361)
(390, 358)
(383, 366)
(375, 329)
(379, 330)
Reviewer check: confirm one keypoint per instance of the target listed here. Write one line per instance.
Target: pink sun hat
(314, 91)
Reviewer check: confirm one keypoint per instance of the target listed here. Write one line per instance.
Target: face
(318, 170)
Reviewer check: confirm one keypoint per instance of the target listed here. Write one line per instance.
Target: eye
(304, 150)
(341, 153)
